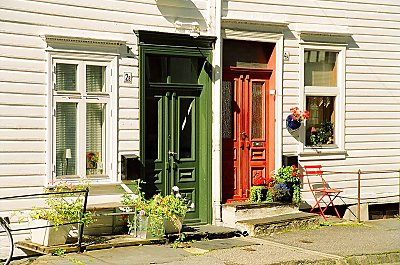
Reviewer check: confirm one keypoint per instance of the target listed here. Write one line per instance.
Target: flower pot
(48, 236)
(288, 197)
(292, 124)
(173, 225)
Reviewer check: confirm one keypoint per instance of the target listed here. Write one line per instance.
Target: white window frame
(108, 97)
(336, 150)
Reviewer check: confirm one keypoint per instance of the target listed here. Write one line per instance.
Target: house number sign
(128, 77)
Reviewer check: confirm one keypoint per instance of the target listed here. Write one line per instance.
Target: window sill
(324, 153)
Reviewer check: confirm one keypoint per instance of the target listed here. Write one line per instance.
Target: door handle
(243, 135)
(173, 154)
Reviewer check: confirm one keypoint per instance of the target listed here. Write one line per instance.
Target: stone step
(239, 211)
(279, 223)
(202, 232)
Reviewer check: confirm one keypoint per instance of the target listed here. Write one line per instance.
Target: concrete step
(202, 232)
(239, 211)
(278, 223)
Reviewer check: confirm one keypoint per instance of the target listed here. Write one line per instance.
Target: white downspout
(216, 119)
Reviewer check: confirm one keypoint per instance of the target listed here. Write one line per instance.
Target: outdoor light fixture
(191, 28)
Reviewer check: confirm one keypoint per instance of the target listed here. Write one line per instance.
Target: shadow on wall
(181, 10)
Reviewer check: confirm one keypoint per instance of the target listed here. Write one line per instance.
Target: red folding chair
(320, 191)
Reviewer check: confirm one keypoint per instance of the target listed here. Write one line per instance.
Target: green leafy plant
(279, 192)
(65, 207)
(256, 194)
(179, 241)
(157, 208)
(290, 177)
(322, 134)
(58, 252)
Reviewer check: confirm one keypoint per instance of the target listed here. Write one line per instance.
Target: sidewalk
(374, 242)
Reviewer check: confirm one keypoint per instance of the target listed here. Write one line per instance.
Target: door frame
(171, 44)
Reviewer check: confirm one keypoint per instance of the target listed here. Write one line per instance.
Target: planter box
(172, 226)
(49, 236)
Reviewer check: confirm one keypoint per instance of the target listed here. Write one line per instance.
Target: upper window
(173, 69)
(320, 68)
(322, 88)
(81, 102)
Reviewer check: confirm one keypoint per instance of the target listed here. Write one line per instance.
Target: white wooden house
(199, 91)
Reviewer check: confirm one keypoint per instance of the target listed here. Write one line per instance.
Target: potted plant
(288, 176)
(174, 208)
(294, 120)
(259, 190)
(322, 134)
(64, 207)
(165, 213)
(279, 192)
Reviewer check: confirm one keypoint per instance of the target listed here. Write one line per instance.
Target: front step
(279, 223)
(203, 232)
(239, 211)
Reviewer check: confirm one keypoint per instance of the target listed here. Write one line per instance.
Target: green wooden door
(175, 121)
(172, 151)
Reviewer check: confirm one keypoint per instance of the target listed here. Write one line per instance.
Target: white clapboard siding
(22, 157)
(14, 64)
(23, 72)
(125, 146)
(372, 82)
(22, 135)
(22, 88)
(29, 181)
(21, 111)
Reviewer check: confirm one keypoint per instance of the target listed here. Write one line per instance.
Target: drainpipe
(216, 119)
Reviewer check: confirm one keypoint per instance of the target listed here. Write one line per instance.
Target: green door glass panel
(186, 128)
(173, 69)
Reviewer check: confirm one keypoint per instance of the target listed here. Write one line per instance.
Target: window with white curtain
(323, 85)
(81, 99)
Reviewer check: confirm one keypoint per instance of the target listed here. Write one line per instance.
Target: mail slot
(289, 160)
(130, 167)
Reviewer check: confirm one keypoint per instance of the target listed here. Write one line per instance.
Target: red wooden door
(248, 130)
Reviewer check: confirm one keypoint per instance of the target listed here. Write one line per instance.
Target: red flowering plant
(289, 176)
(298, 115)
(259, 180)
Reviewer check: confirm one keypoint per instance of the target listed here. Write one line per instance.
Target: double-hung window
(81, 118)
(323, 86)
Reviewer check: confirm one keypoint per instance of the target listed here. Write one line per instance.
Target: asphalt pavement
(372, 242)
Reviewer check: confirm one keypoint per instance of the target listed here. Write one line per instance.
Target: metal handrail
(84, 208)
